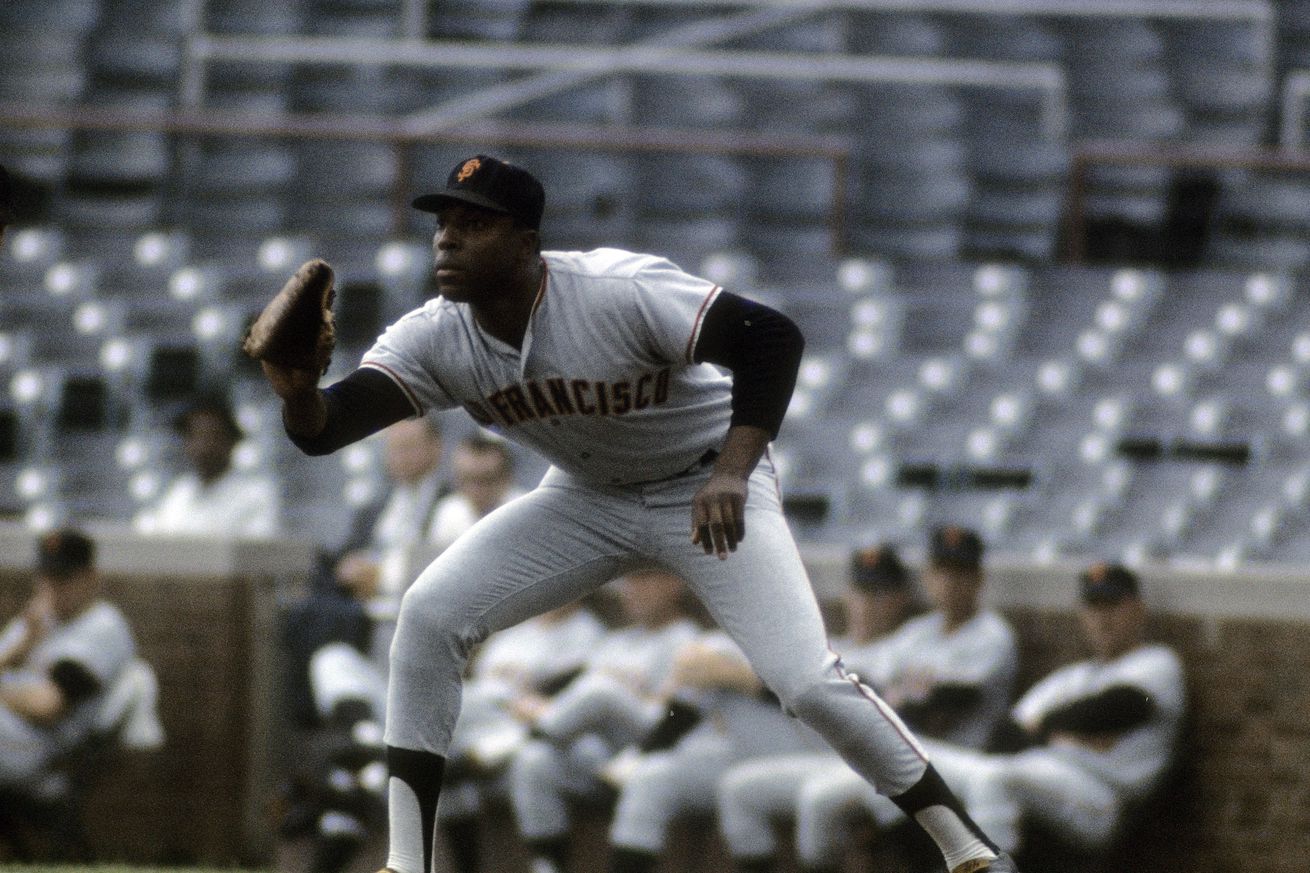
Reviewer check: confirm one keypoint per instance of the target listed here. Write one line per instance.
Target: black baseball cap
(492, 184)
(63, 553)
(956, 548)
(1107, 583)
(878, 569)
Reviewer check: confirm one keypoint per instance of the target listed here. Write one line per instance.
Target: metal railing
(1158, 155)
(212, 123)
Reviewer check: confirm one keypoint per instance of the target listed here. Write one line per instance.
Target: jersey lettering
(622, 397)
(643, 399)
(479, 413)
(539, 401)
(519, 403)
(530, 401)
(498, 403)
(662, 386)
(580, 387)
(559, 395)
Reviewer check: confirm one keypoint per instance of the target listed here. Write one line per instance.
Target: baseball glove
(296, 328)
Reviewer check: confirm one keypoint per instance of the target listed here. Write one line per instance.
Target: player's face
(477, 253)
(953, 591)
(1112, 629)
(870, 615)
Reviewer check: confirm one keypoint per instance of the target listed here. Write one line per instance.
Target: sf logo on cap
(470, 167)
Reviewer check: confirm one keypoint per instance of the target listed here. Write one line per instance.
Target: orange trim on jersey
(696, 325)
(395, 377)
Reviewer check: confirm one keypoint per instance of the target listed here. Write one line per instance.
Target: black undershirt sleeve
(361, 404)
(944, 707)
(1114, 710)
(762, 347)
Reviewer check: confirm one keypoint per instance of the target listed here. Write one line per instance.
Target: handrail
(372, 128)
(1254, 10)
(1156, 155)
(1048, 79)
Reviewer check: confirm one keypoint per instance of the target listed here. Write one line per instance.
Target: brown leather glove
(296, 328)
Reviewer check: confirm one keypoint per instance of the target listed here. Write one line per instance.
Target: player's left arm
(1114, 711)
(762, 348)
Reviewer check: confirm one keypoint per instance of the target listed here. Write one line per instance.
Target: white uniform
(455, 514)
(237, 504)
(981, 653)
(605, 388)
(610, 705)
(98, 640)
(670, 783)
(1077, 790)
(753, 795)
(511, 661)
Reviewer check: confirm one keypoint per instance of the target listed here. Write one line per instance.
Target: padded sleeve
(762, 347)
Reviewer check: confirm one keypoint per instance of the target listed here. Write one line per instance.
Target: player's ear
(531, 241)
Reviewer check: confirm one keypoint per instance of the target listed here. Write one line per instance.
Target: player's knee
(422, 622)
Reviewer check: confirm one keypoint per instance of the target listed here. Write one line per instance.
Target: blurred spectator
(484, 480)
(57, 660)
(213, 498)
(355, 595)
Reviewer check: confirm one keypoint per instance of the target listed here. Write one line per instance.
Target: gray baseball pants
(566, 538)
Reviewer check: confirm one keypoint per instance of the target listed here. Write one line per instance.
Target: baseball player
(950, 672)
(611, 704)
(607, 363)
(1102, 732)
(517, 663)
(57, 659)
(677, 772)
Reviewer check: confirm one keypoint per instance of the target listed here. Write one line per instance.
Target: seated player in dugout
(1095, 738)
(601, 362)
(950, 672)
(58, 658)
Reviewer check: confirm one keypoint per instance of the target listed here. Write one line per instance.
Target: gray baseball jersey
(601, 394)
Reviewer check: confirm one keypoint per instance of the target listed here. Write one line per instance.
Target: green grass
(115, 868)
